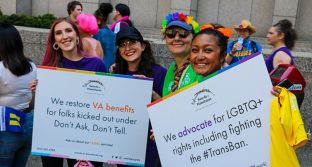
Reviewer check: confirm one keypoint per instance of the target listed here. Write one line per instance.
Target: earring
(55, 46)
(77, 41)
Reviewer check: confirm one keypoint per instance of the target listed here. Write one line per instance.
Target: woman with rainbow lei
(178, 30)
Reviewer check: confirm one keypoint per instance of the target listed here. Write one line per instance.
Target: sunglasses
(130, 43)
(170, 33)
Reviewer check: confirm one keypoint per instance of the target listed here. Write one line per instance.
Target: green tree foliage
(44, 21)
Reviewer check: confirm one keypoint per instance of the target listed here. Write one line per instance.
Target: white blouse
(15, 91)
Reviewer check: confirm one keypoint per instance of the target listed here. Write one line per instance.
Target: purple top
(159, 74)
(269, 60)
(86, 63)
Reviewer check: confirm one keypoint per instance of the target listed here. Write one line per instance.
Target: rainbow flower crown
(182, 17)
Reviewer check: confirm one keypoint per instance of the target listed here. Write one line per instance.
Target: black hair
(127, 32)
(222, 39)
(11, 50)
(104, 10)
(72, 5)
(123, 9)
(145, 66)
(290, 35)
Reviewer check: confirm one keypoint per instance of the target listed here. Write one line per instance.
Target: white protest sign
(222, 121)
(91, 116)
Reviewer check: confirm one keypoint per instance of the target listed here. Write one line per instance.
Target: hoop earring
(77, 41)
(55, 46)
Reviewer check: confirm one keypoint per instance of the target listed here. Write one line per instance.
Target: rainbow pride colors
(205, 78)
(63, 156)
(92, 72)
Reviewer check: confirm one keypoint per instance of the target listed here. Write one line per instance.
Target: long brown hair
(53, 57)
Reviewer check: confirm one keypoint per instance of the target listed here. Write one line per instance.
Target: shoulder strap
(254, 46)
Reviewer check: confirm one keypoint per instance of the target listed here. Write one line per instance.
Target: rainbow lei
(182, 17)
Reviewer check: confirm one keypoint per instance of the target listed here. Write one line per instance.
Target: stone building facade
(149, 13)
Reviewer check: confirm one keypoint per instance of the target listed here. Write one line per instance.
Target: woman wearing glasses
(178, 30)
(134, 57)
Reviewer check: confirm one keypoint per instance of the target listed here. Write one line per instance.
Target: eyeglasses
(170, 33)
(130, 43)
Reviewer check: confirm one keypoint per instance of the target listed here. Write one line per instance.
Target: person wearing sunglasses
(134, 57)
(178, 30)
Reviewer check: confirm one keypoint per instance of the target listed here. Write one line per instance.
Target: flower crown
(182, 17)
(225, 31)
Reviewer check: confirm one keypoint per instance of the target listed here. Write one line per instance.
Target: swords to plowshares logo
(203, 98)
(94, 87)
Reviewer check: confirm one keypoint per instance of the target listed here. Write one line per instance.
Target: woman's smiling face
(205, 54)
(179, 45)
(65, 36)
(131, 50)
